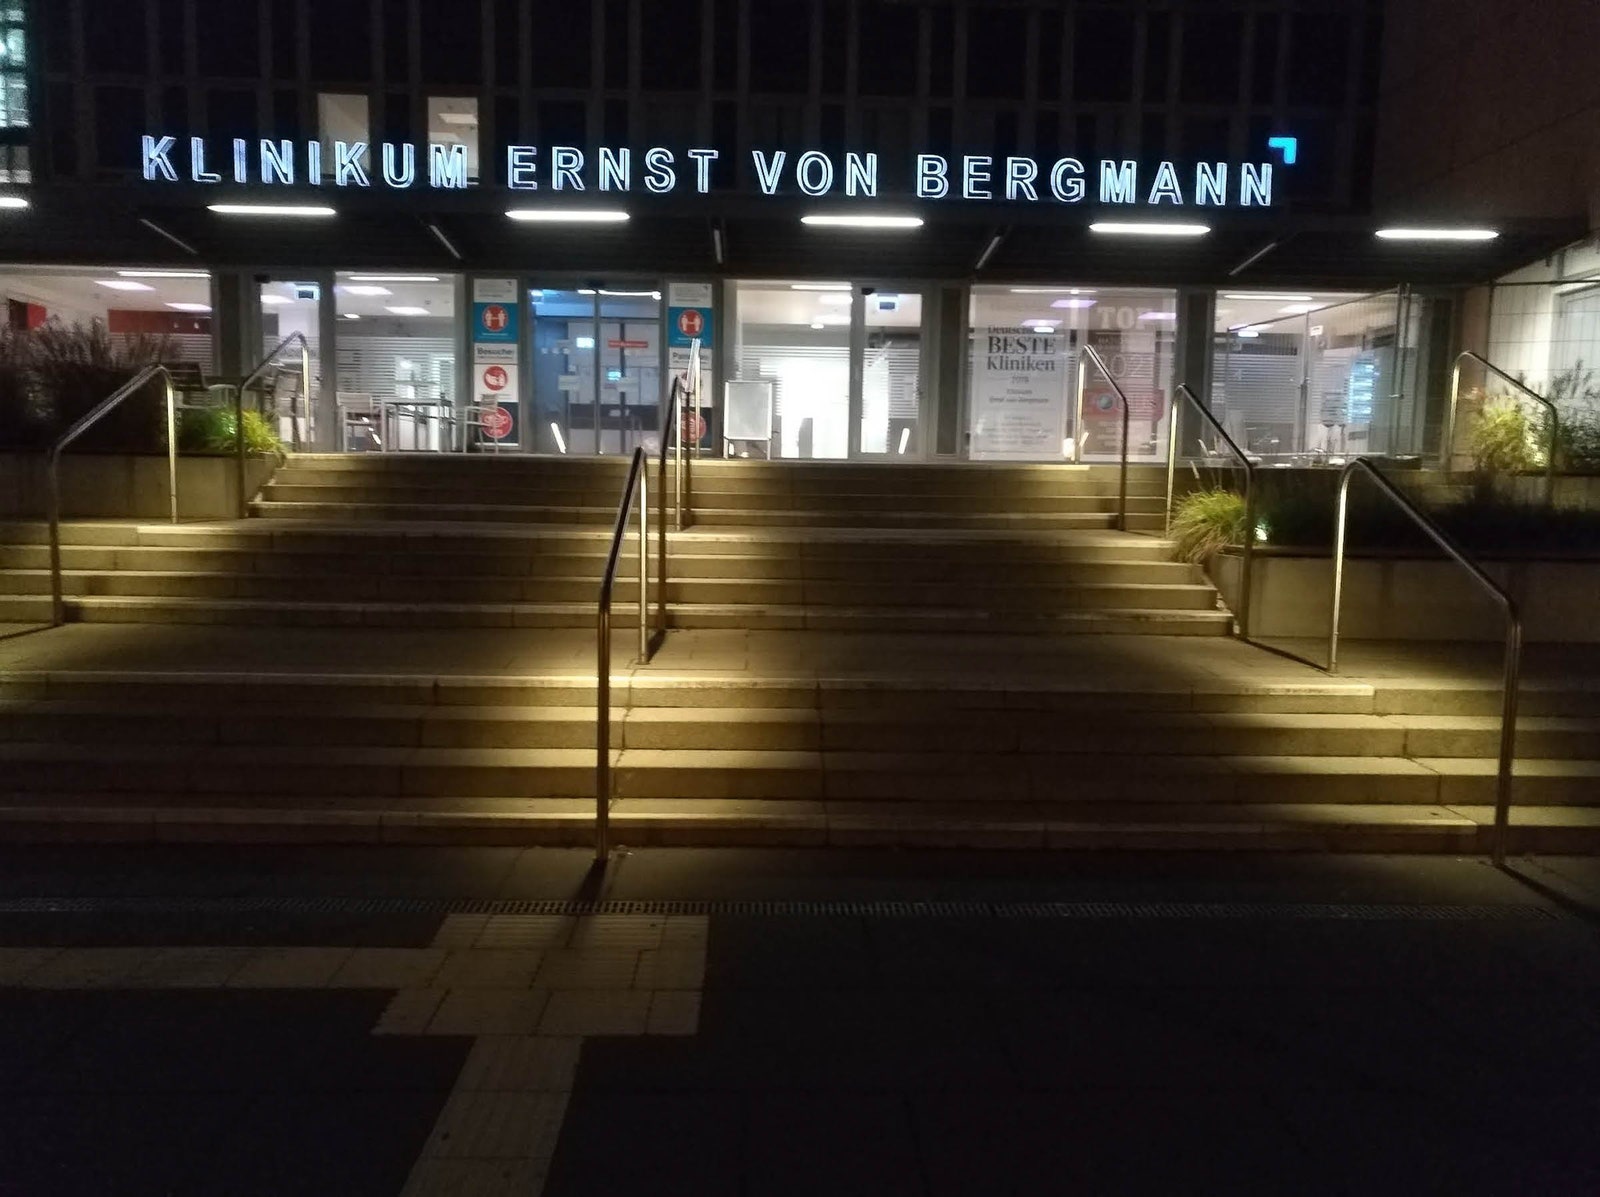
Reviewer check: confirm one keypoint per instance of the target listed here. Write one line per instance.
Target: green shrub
(69, 369)
(1504, 440)
(1578, 446)
(211, 430)
(1206, 521)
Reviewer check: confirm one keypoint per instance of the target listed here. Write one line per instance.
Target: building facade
(893, 226)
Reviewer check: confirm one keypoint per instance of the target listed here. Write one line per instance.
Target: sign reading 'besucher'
(661, 171)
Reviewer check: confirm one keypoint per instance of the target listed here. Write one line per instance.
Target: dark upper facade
(1147, 81)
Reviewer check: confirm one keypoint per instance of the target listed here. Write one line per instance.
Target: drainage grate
(1083, 911)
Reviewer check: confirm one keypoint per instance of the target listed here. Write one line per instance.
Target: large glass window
(345, 118)
(1304, 374)
(453, 120)
(397, 361)
(1022, 394)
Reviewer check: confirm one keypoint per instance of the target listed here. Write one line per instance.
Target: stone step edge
(1326, 827)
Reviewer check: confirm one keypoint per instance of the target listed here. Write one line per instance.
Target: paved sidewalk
(499, 1021)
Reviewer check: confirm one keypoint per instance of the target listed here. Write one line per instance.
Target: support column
(1197, 317)
(949, 369)
(235, 323)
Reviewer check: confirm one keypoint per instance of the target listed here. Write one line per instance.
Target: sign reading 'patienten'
(660, 171)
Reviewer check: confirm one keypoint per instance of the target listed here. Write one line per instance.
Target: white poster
(505, 355)
(689, 295)
(496, 383)
(1019, 394)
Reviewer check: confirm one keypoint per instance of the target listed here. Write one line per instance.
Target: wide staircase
(412, 541)
(883, 655)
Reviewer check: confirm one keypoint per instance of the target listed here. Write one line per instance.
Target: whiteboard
(747, 410)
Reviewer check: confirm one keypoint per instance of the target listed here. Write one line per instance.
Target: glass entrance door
(596, 367)
(889, 404)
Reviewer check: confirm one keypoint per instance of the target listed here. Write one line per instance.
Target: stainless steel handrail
(1553, 417)
(1510, 678)
(1088, 352)
(638, 471)
(675, 424)
(254, 376)
(82, 425)
(1249, 494)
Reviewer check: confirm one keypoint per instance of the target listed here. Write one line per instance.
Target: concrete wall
(1407, 599)
(1489, 108)
(112, 486)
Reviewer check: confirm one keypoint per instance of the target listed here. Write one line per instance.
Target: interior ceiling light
(407, 310)
(1271, 296)
(189, 307)
(817, 324)
(119, 284)
(393, 278)
(862, 222)
(845, 287)
(1296, 309)
(352, 316)
(1052, 291)
(364, 289)
(1158, 315)
(1072, 303)
(458, 118)
(275, 301)
(568, 215)
(1421, 234)
(12, 201)
(1247, 332)
(163, 274)
(1134, 228)
(1044, 326)
(271, 210)
(633, 294)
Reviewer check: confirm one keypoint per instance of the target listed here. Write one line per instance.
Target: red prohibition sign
(690, 322)
(495, 378)
(494, 317)
(496, 422)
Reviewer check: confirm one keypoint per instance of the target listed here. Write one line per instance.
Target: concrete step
(444, 496)
(995, 732)
(90, 817)
(402, 614)
(439, 560)
(973, 779)
(347, 588)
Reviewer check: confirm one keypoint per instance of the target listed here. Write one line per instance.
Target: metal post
(599, 447)
(1338, 570)
(1122, 473)
(1249, 554)
(172, 447)
(644, 563)
(1172, 455)
(602, 734)
(1508, 739)
(238, 451)
(53, 497)
(1447, 443)
(1077, 411)
(305, 395)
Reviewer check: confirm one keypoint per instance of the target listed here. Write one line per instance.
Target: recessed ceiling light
(393, 278)
(817, 324)
(118, 284)
(1072, 303)
(1248, 332)
(12, 201)
(1275, 296)
(407, 310)
(1130, 228)
(458, 118)
(271, 210)
(352, 316)
(1044, 326)
(633, 294)
(1296, 309)
(568, 215)
(189, 307)
(1445, 234)
(275, 301)
(1052, 290)
(863, 222)
(819, 287)
(364, 289)
(163, 274)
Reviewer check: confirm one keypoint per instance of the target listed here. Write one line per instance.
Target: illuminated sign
(973, 177)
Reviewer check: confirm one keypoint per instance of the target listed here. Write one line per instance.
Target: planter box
(1402, 598)
(124, 486)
